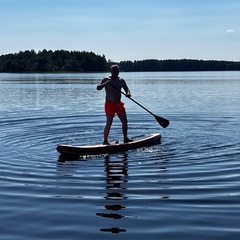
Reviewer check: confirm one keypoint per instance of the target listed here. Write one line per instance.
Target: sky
(124, 30)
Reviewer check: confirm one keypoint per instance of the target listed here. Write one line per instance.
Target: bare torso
(112, 94)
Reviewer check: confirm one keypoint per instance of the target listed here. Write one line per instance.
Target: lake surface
(187, 187)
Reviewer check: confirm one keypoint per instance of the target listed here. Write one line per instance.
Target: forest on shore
(82, 61)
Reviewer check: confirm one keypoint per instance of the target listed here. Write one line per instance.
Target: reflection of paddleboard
(139, 142)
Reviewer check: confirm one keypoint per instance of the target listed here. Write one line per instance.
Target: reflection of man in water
(116, 176)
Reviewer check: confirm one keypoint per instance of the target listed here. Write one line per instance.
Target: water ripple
(192, 179)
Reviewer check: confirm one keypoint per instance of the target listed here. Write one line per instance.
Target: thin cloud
(230, 31)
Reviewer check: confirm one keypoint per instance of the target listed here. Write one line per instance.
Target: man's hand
(128, 94)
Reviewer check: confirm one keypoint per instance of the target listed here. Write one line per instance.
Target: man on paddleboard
(113, 104)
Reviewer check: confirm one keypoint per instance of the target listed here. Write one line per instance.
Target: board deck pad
(117, 146)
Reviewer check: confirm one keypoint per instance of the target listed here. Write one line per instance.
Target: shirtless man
(113, 103)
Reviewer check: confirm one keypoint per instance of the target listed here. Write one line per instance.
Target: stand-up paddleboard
(139, 142)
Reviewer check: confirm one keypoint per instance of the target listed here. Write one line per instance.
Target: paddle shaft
(132, 99)
(162, 121)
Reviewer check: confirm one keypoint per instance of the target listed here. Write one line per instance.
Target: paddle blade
(162, 121)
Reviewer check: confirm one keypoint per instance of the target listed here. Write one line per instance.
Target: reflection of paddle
(162, 121)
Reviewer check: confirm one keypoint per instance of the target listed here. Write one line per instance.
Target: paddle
(162, 121)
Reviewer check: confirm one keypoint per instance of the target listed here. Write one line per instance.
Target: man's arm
(102, 84)
(126, 89)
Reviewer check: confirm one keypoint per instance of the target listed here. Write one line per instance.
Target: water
(185, 188)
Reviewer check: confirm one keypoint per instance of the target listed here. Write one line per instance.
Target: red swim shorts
(112, 108)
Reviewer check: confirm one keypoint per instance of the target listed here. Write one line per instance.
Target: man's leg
(123, 119)
(109, 120)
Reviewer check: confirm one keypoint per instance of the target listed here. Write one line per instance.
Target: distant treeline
(53, 61)
(76, 61)
(179, 65)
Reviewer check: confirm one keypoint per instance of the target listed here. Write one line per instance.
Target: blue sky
(124, 30)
